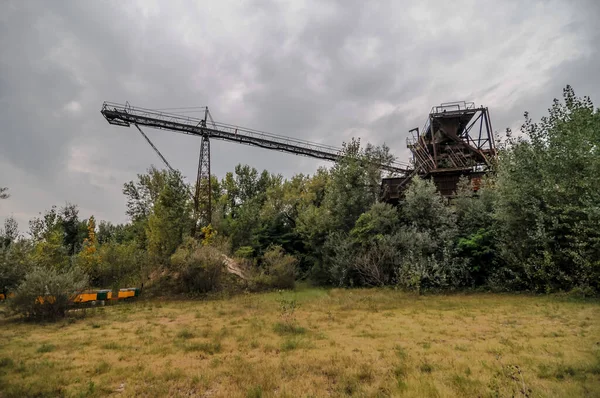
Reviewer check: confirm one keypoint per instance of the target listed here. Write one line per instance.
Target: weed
(102, 367)
(400, 352)
(6, 363)
(185, 334)
(91, 389)
(426, 367)
(425, 344)
(46, 348)
(290, 344)
(365, 373)
(209, 348)
(288, 328)
(173, 374)
(254, 392)
(287, 309)
(112, 346)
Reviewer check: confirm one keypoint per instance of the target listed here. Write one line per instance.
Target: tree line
(532, 225)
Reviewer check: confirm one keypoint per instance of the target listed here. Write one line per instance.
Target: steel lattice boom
(126, 115)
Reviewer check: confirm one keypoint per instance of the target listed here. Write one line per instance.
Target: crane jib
(125, 115)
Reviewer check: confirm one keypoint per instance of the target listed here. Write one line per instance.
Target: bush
(118, 265)
(14, 263)
(278, 270)
(200, 267)
(47, 293)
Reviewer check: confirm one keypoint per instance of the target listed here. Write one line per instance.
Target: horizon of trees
(533, 224)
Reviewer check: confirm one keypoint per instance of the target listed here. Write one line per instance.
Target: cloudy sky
(318, 70)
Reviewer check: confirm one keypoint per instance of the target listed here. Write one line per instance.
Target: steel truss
(127, 115)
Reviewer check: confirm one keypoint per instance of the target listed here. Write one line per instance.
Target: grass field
(312, 343)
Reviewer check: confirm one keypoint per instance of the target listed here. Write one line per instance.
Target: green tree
(143, 194)
(50, 252)
(350, 191)
(381, 219)
(169, 219)
(119, 265)
(3, 193)
(88, 258)
(424, 209)
(477, 228)
(10, 233)
(119, 233)
(14, 264)
(74, 230)
(548, 197)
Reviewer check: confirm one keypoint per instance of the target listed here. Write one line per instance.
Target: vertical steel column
(433, 143)
(203, 211)
(203, 202)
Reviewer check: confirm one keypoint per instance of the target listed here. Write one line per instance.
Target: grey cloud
(315, 70)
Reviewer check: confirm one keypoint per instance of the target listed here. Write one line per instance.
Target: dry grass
(312, 343)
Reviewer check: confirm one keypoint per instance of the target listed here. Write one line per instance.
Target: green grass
(209, 348)
(46, 348)
(282, 328)
(357, 342)
(185, 334)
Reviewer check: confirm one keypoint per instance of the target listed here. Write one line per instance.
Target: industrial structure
(457, 140)
(206, 128)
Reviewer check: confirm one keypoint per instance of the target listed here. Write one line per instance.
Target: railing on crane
(126, 115)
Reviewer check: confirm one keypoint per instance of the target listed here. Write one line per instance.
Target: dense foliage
(531, 225)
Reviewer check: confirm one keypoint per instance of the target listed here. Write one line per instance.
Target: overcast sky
(318, 70)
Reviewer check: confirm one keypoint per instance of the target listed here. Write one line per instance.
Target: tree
(169, 219)
(40, 227)
(14, 264)
(477, 228)
(3, 193)
(119, 233)
(88, 258)
(50, 252)
(119, 264)
(381, 219)
(64, 222)
(143, 194)
(10, 232)
(548, 196)
(424, 208)
(143, 208)
(74, 231)
(349, 192)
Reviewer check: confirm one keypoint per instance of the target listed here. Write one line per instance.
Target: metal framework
(127, 115)
(457, 140)
(203, 184)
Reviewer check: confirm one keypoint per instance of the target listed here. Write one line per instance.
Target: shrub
(278, 270)
(114, 265)
(245, 252)
(14, 263)
(47, 293)
(200, 267)
(378, 262)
